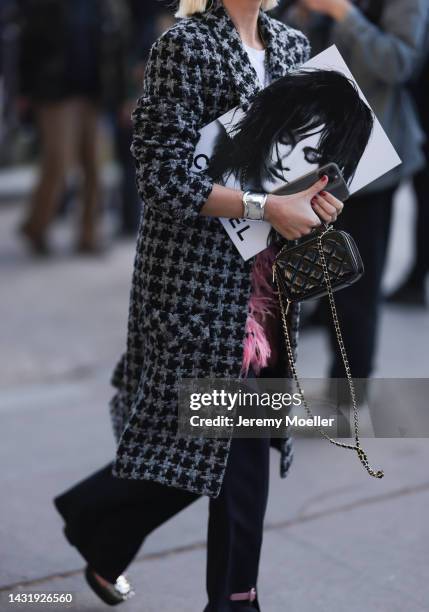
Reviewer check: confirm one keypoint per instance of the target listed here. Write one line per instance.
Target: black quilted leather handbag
(299, 268)
(318, 265)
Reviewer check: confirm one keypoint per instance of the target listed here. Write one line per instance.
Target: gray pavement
(336, 540)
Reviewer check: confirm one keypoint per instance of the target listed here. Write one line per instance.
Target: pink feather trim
(262, 305)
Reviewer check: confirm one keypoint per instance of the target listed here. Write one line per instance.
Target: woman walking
(189, 311)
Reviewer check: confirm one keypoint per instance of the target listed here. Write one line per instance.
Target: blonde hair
(189, 7)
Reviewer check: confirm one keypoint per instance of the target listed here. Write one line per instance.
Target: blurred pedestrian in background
(8, 72)
(149, 19)
(72, 65)
(382, 42)
(413, 290)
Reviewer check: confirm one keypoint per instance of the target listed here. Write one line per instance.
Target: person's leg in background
(235, 531)
(421, 187)
(412, 290)
(90, 217)
(368, 219)
(130, 205)
(57, 137)
(107, 518)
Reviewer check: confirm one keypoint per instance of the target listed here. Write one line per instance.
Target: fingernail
(323, 193)
(325, 178)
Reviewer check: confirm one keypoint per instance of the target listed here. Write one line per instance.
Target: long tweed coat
(190, 288)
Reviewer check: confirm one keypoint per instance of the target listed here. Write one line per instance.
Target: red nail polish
(323, 193)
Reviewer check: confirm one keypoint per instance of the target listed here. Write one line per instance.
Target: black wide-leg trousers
(107, 520)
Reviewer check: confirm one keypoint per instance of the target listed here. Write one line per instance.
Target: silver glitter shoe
(113, 594)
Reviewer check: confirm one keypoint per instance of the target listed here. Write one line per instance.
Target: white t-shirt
(257, 59)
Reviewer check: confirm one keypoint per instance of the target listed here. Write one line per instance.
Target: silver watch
(254, 205)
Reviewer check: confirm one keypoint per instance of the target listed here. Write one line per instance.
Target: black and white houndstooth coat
(190, 288)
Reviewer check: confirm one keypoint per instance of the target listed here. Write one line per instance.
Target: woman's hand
(337, 9)
(294, 216)
(326, 206)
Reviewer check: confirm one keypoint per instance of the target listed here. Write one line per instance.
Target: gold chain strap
(284, 311)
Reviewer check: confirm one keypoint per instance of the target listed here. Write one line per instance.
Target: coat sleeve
(390, 52)
(166, 123)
